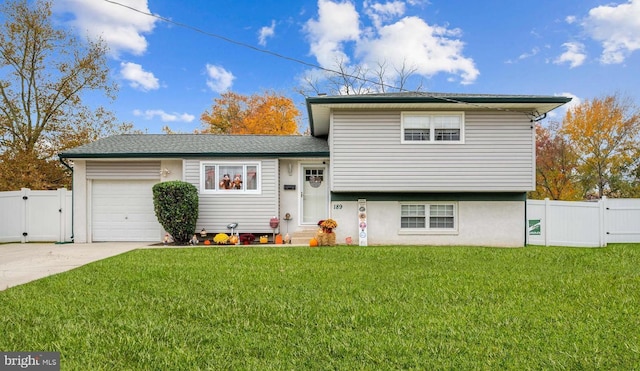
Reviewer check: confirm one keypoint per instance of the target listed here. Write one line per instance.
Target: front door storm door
(314, 194)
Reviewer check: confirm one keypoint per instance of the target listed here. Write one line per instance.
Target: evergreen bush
(176, 207)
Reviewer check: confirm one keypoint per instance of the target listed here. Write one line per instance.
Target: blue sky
(170, 72)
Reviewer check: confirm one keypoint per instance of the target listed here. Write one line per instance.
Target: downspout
(72, 197)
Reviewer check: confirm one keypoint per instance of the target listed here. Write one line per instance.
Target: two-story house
(400, 168)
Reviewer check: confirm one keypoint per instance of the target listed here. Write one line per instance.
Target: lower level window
(439, 216)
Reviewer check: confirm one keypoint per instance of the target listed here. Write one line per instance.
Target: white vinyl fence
(36, 216)
(578, 223)
(46, 216)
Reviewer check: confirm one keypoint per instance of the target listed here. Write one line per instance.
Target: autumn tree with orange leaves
(604, 134)
(556, 166)
(234, 113)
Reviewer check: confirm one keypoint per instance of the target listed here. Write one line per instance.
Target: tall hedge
(176, 207)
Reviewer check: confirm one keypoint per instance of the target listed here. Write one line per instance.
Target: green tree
(44, 71)
(604, 133)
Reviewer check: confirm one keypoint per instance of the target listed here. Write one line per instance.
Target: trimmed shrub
(176, 207)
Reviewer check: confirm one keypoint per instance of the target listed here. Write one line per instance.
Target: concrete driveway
(22, 263)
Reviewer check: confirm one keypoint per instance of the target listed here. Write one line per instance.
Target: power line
(245, 45)
(531, 115)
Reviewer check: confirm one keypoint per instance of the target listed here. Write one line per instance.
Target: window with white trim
(439, 127)
(436, 216)
(233, 177)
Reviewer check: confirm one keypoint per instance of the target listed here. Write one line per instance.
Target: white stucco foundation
(479, 223)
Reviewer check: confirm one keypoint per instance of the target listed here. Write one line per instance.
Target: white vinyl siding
(123, 170)
(368, 155)
(252, 210)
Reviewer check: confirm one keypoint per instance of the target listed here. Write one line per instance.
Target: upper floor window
(230, 177)
(432, 127)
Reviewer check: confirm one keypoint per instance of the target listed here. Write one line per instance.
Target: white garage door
(122, 210)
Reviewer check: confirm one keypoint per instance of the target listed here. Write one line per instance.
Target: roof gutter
(194, 155)
(436, 99)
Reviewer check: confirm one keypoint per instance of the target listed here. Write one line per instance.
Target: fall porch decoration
(247, 238)
(326, 236)
(221, 238)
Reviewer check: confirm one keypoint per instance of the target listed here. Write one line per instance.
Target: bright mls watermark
(10, 361)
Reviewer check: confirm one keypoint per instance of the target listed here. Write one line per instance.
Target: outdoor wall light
(290, 168)
(164, 172)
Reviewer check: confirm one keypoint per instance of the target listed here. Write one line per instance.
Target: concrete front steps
(303, 236)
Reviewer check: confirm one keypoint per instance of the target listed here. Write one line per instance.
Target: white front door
(314, 193)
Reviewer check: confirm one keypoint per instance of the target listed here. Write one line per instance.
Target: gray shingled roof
(200, 145)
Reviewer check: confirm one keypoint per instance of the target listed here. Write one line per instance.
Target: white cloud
(266, 32)
(530, 54)
(337, 24)
(164, 116)
(617, 27)
(219, 79)
(570, 19)
(380, 13)
(427, 49)
(137, 77)
(121, 28)
(409, 41)
(574, 54)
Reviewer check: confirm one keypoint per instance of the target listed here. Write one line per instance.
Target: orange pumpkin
(279, 239)
(313, 243)
(207, 242)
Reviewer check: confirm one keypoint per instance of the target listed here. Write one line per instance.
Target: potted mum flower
(247, 238)
(221, 238)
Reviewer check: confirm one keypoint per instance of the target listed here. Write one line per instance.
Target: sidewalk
(22, 263)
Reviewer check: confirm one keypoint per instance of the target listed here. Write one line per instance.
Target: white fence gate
(578, 223)
(36, 216)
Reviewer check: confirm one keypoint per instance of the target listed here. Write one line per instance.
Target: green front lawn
(346, 308)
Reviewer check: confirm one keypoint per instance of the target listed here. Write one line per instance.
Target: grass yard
(348, 308)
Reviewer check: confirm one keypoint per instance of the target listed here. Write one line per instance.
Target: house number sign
(362, 222)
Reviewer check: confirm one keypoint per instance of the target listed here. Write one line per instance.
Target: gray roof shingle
(200, 145)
